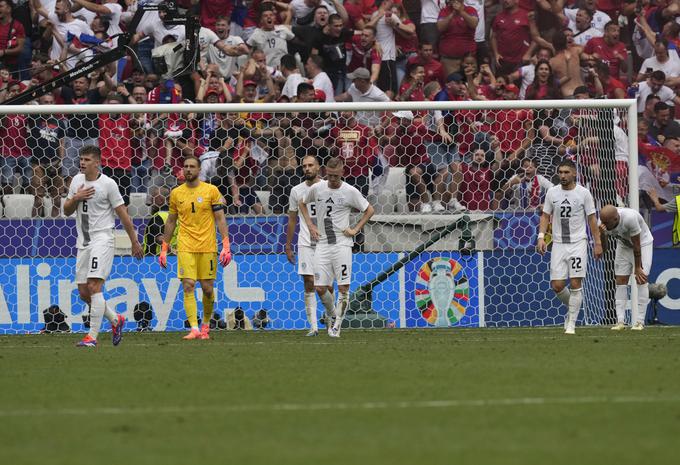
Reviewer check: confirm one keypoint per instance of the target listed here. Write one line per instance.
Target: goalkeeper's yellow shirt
(194, 207)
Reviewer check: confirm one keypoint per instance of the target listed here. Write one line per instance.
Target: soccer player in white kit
(634, 250)
(95, 196)
(334, 201)
(570, 205)
(306, 247)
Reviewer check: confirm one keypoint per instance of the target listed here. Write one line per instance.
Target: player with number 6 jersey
(94, 197)
(334, 201)
(569, 206)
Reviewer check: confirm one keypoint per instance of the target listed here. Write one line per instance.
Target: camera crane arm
(190, 22)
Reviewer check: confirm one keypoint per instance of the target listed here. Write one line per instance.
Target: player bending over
(634, 250)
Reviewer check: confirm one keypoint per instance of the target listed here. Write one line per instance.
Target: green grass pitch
(487, 396)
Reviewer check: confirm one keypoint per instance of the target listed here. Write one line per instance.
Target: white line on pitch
(378, 405)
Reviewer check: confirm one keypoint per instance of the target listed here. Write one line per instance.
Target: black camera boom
(172, 17)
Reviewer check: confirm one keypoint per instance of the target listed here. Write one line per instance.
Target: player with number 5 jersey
(198, 206)
(334, 201)
(569, 206)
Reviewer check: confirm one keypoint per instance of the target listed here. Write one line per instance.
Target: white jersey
(75, 27)
(206, 38)
(226, 63)
(95, 215)
(570, 210)
(333, 207)
(631, 224)
(297, 194)
(113, 18)
(274, 43)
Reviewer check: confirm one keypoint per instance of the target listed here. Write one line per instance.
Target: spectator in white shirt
(320, 79)
(584, 30)
(663, 60)
(63, 23)
(600, 18)
(362, 90)
(293, 77)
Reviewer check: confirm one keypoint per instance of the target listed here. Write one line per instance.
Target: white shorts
(624, 260)
(305, 260)
(332, 263)
(568, 260)
(95, 260)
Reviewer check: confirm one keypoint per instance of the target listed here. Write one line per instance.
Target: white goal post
(422, 261)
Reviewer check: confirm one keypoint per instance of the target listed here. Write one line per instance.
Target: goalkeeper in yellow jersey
(198, 206)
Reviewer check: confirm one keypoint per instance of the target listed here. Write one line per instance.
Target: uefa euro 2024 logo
(442, 291)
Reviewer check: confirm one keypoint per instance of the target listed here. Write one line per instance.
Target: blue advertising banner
(666, 270)
(253, 282)
(442, 289)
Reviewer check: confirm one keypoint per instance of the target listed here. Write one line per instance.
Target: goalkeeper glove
(163, 257)
(225, 255)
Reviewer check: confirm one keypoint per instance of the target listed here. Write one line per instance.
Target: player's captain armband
(221, 205)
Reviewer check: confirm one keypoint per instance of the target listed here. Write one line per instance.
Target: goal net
(457, 189)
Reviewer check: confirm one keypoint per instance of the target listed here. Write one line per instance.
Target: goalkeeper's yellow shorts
(196, 265)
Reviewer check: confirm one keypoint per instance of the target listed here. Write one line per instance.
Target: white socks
(110, 315)
(575, 299)
(563, 295)
(341, 308)
(621, 296)
(310, 308)
(643, 301)
(327, 301)
(97, 309)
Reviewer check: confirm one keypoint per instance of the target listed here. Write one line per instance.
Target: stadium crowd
(255, 51)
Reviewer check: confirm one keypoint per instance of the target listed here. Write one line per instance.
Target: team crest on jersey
(199, 200)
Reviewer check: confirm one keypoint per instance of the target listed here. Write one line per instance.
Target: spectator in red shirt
(14, 153)
(434, 71)
(545, 86)
(115, 141)
(12, 37)
(456, 26)
(403, 145)
(411, 88)
(608, 49)
(365, 53)
(355, 144)
(603, 84)
(512, 32)
(475, 190)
